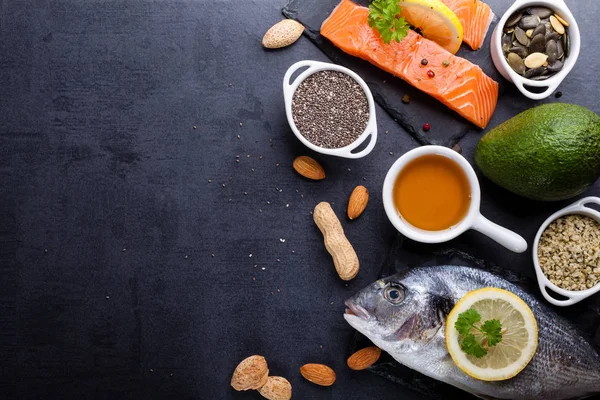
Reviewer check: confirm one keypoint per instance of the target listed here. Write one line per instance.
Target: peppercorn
(430, 73)
(426, 127)
(424, 61)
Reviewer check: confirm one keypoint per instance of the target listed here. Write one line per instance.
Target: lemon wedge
(519, 334)
(435, 21)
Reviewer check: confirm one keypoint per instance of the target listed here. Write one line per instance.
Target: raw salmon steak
(475, 17)
(461, 85)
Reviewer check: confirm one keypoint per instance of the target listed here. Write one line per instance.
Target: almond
(276, 388)
(251, 373)
(357, 202)
(364, 358)
(282, 34)
(309, 168)
(318, 374)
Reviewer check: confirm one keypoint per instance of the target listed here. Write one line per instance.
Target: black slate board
(387, 89)
(406, 254)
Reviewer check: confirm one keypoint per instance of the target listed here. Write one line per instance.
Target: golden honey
(432, 193)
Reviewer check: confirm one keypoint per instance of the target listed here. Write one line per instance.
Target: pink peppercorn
(430, 73)
(426, 127)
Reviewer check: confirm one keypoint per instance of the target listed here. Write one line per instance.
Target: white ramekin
(561, 9)
(473, 219)
(573, 296)
(289, 88)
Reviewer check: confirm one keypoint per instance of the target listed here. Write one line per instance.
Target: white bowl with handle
(572, 296)
(472, 220)
(560, 8)
(289, 88)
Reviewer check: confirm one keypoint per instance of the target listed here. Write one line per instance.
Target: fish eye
(394, 293)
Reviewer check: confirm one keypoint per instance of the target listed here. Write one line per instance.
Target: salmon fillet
(462, 86)
(475, 17)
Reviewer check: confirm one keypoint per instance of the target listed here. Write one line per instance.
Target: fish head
(398, 313)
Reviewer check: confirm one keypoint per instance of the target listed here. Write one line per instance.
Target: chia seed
(330, 109)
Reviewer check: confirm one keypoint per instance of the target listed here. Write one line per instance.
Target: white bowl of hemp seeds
(566, 253)
(330, 109)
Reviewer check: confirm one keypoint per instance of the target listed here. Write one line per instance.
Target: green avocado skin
(550, 152)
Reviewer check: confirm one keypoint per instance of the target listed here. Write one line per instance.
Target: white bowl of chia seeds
(535, 59)
(566, 253)
(330, 109)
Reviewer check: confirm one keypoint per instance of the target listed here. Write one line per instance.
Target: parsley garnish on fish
(383, 16)
(487, 334)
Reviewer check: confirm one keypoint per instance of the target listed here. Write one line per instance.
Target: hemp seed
(569, 252)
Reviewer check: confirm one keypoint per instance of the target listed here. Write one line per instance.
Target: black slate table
(152, 230)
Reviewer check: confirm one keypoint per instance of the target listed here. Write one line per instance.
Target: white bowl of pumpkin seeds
(330, 109)
(535, 45)
(566, 253)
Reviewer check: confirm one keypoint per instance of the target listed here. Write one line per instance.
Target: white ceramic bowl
(473, 219)
(561, 9)
(289, 88)
(573, 296)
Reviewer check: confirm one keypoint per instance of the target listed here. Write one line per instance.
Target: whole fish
(405, 315)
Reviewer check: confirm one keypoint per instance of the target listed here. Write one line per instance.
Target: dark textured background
(112, 205)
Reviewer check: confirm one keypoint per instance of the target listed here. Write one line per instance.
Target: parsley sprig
(383, 16)
(486, 335)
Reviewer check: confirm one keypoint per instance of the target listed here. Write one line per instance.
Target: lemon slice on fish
(435, 21)
(519, 334)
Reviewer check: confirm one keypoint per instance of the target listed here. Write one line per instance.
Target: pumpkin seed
(506, 42)
(561, 20)
(541, 12)
(535, 60)
(534, 72)
(541, 28)
(557, 66)
(552, 36)
(521, 36)
(558, 27)
(538, 44)
(516, 63)
(513, 19)
(559, 49)
(535, 42)
(552, 51)
(521, 51)
(530, 21)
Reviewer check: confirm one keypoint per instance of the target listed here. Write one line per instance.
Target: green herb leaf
(383, 16)
(492, 328)
(466, 321)
(471, 346)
